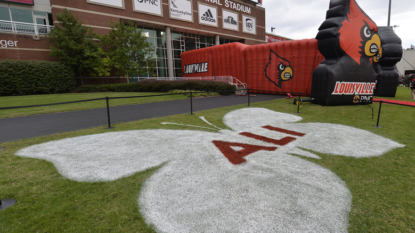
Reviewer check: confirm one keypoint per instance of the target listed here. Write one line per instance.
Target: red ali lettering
(237, 157)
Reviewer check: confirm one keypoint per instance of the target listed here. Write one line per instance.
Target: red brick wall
(27, 48)
(101, 16)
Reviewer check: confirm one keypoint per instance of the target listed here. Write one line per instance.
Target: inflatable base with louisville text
(350, 60)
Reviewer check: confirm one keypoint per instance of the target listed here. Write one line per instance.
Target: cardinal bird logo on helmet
(358, 35)
(278, 69)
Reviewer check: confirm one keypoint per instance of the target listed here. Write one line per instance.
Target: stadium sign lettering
(8, 43)
(152, 2)
(353, 88)
(233, 5)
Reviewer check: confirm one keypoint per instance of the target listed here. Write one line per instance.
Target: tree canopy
(123, 51)
(128, 50)
(73, 44)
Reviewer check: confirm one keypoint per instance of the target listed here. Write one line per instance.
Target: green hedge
(162, 86)
(34, 77)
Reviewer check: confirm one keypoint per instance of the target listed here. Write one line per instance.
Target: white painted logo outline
(199, 190)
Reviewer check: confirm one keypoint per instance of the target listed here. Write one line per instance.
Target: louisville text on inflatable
(196, 68)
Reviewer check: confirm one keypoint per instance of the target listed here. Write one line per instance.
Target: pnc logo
(356, 99)
(151, 2)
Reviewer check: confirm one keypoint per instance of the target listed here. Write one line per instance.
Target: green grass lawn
(383, 188)
(12, 101)
(402, 93)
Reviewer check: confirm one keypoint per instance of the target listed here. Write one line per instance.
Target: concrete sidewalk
(39, 125)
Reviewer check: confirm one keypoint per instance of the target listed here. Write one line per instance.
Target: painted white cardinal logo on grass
(240, 180)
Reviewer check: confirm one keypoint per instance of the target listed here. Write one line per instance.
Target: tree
(73, 44)
(128, 50)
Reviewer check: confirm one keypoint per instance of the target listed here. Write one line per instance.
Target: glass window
(190, 44)
(210, 40)
(176, 53)
(41, 21)
(156, 63)
(148, 33)
(21, 16)
(160, 52)
(178, 72)
(4, 14)
(176, 44)
(202, 39)
(40, 13)
(160, 34)
(161, 42)
(161, 62)
(150, 41)
(175, 36)
(162, 72)
(177, 63)
(139, 30)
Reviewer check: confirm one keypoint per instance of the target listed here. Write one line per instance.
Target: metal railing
(24, 28)
(126, 97)
(229, 79)
(387, 102)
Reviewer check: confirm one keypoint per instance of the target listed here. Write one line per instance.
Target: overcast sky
(300, 19)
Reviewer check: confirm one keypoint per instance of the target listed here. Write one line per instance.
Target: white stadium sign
(154, 7)
(230, 20)
(208, 15)
(112, 3)
(248, 24)
(181, 10)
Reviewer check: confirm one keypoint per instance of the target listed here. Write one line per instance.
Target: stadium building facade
(171, 26)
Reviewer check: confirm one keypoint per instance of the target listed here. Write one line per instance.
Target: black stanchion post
(380, 107)
(191, 103)
(298, 104)
(249, 97)
(108, 113)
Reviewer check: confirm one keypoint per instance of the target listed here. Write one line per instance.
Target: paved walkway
(39, 125)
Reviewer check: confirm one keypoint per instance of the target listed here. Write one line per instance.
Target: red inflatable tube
(221, 60)
(268, 68)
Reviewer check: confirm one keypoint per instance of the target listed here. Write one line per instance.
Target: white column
(169, 53)
(217, 42)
